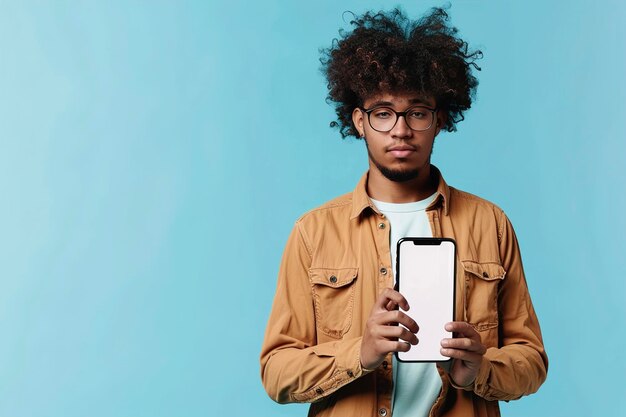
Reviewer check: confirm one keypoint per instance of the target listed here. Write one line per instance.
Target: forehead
(399, 100)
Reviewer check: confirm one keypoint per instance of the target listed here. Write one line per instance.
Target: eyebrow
(389, 103)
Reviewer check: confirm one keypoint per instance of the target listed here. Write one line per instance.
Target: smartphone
(425, 276)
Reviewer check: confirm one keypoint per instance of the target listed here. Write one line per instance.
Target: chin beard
(394, 175)
(397, 175)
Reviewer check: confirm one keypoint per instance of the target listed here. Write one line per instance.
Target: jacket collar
(361, 201)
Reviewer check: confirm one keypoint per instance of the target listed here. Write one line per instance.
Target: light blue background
(154, 156)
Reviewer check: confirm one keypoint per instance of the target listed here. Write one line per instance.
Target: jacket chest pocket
(333, 297)
(482, 283)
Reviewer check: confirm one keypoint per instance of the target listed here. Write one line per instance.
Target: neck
(381, 188)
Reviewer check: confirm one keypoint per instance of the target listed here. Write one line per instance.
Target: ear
(357, 120)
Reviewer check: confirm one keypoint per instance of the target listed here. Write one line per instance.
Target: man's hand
(467, 351)
(382, 331)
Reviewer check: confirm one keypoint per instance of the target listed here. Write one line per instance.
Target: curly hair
(387, 52)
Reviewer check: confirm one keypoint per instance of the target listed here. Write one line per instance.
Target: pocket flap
(333, 277)
(489, 271)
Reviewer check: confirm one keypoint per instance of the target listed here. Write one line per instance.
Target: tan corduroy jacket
(337, 261)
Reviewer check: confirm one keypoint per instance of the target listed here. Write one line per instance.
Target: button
(382, 412)
(332, 279)
(486, 275)
(350, 374)
(385, 364)
(383, 271)
(319, 390)
(381, 226)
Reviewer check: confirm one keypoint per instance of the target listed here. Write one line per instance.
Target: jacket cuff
(347, 368)
(480, 383)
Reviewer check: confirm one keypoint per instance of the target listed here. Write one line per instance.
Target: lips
(401, 151)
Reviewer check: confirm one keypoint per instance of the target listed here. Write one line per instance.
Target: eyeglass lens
(384, 119)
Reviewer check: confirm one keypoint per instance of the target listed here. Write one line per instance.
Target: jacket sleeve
(519, 365)
(294, 368)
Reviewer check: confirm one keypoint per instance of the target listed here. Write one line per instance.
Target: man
(335, 325)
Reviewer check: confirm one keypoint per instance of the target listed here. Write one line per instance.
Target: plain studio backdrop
(154, 156)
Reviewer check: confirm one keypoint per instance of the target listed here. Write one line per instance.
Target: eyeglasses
(383, 119)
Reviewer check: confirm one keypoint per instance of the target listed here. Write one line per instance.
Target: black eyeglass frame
(398, 114)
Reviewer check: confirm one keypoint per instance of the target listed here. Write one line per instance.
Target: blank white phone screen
(426, 279)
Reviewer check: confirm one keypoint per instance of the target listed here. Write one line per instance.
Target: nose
(401, 129)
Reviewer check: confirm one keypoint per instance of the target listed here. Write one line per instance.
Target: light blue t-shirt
(416, 385)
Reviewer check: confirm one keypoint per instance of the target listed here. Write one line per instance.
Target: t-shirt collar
(361, 201)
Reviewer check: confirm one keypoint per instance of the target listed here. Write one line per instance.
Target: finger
(464, 344)
(397, 332)
(462, 355)
(398, 317)
(391, 295)
(462, 329)
(393, 346)
(391, 305)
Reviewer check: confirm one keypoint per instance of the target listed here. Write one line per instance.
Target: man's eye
(418, 114)
(383, 114)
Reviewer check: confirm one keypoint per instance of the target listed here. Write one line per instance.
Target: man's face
(401, 153)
